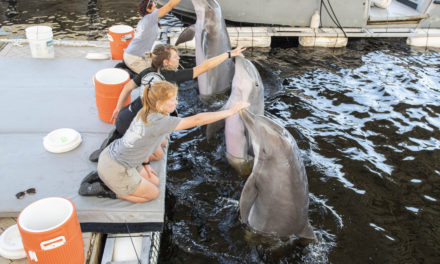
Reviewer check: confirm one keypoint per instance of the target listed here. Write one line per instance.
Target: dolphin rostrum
(211, 39)
(275, 197)
(246, 86)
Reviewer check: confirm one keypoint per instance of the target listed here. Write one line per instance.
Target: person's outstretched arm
(128, 87)
(209, 117)
(215, 61)
(167, 7)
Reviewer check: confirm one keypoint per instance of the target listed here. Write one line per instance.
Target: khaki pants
(136, 63)
(119, 179)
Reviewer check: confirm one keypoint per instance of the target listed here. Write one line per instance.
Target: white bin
(40, 41)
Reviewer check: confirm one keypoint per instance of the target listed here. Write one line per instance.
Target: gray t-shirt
(145, 34)
(141, 140)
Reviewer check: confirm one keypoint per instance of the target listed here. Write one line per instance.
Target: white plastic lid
(112, 76)
(62, 140)
(97, 56)
(11, 246)
(121, 29)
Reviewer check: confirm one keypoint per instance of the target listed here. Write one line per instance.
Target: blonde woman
(124, 166)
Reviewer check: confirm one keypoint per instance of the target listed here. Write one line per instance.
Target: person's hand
(164, 142)
(114, 115)
(150, 171)
(238, 51)
(239, 106)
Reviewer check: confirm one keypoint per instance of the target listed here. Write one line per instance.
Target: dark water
(70, 20)
(367, 121)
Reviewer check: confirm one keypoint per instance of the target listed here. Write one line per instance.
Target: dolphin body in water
(246, 86)
(211, 39)
(275, 197)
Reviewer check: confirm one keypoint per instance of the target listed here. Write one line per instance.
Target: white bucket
(41, 41)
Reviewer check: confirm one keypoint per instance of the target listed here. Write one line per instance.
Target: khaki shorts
(135, 63)
(119, 179)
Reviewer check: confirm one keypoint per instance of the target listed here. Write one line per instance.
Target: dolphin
(211, 39)
(275, 197)
(246, 86)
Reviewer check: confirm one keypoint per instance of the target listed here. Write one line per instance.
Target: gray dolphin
(246, 86)
(212, 39)
(275, 197)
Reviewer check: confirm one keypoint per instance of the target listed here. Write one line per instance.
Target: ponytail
(158, 91)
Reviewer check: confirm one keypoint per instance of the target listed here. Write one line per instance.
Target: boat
(327, 23)
(334, 13)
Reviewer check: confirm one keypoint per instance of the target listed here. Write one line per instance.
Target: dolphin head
(248, 86)
(265, 135)
(245, 68)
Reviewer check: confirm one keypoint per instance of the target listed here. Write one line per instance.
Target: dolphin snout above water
(275, 197)
(246, 86)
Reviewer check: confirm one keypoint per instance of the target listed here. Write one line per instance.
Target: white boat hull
(352, 13)
(298, 13)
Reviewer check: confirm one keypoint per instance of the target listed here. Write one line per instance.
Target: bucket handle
(32, 256)
(53, 243)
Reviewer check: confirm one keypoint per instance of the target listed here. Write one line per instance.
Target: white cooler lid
(62, 140)
(11, 246)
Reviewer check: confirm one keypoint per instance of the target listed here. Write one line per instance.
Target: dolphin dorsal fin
(186, 35)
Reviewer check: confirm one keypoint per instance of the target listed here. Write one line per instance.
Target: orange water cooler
(51, 233)
(119, 37)
(108, 86)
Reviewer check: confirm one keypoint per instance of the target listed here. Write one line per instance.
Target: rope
(388, 20)
(335, 19)
(320, 14)
(314, 39)
(252, 35)
(131, 239)
(238, 36)
(427, 37)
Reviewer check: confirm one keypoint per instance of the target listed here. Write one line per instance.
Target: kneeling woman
(123, 165)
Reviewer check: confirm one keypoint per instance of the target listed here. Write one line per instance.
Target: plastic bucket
(50, 232)
(40, 41)
(119, 36)
(108, 86)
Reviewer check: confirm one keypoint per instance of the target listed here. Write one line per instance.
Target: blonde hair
(158, 91)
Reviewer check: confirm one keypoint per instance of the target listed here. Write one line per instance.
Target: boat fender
(381, 3)
(314, 22)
